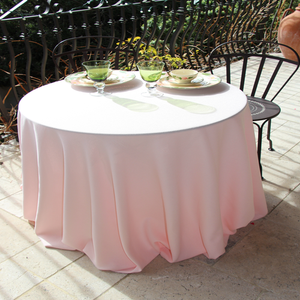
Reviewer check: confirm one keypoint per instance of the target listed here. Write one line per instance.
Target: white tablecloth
(126, 178)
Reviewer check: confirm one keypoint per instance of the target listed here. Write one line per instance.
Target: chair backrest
(250, 70)
(69, 54)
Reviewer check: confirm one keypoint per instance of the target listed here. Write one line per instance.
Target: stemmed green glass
(150, 72)
(97, 70)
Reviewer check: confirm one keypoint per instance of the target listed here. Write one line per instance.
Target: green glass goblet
(97, 71)
(150, 72)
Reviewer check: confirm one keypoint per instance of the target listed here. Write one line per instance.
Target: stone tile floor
(262, 261)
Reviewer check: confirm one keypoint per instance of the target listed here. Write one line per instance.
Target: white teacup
(183, 75)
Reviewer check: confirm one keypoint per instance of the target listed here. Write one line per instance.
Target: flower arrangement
(150, 53)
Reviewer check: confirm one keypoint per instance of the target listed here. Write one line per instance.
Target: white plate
(117, 77)
(206, 80)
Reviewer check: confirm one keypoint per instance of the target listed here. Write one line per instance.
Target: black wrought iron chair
(261, 86)
(69, 54)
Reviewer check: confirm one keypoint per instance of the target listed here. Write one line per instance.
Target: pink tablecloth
(123, 199)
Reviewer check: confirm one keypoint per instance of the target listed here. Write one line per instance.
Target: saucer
(203, 80)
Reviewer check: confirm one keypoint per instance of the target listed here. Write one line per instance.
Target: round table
(125, 178)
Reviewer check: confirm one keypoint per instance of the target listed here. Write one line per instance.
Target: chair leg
(259, 144)
(268, 137)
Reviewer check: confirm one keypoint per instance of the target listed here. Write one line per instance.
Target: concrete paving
(262, 261)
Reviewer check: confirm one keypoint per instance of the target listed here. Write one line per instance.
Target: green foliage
(150, 53)
(212, 20)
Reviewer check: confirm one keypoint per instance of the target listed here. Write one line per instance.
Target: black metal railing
(187, 29)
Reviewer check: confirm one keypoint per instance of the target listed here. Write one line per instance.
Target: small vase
(289, 32)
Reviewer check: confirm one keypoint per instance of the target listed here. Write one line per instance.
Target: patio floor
(262, 261)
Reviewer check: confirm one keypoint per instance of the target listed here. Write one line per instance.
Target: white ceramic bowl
(183, 75)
